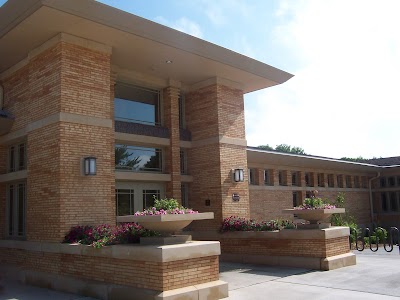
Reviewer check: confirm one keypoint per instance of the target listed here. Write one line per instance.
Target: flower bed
(314, 203)
(235, 223)
(166, 207)
(102, 235)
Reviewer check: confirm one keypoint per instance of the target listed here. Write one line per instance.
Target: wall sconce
(90, 165)
(238, 175)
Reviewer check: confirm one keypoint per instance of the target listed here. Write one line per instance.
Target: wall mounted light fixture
(238, 175)
(89, 165)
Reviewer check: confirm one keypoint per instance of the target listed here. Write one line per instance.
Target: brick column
(172, 153)
(215, 117)
(259, 176)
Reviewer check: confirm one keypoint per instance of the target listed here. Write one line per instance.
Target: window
(148, 197)
(384, 202)
(184, 194)
(331, 182)
(16, 157)
(391, 181)
(393, 202)
(340, 181)
(137, 105)
(320, 178)
(295, 178)
(125, 202)
(267, 177)
(309, 179)
(138, 159)
(357, 181)
(183, 161)
(383, 181)
(348, 181)
(281, 178)
(16, 207)
(364, 182)
(296, 198)
(252, 176)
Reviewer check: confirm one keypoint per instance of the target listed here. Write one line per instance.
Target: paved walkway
(376, 276)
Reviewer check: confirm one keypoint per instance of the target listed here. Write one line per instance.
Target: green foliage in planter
(166, 204)
(345, 219)
(234, 223)
(103, 235)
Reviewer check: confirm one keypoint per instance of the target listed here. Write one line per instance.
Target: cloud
(221, 11)
(183, 24)
(344, 98)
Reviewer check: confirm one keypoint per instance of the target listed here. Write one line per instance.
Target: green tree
(123, 160)
(288, 149)
(356, 159)
(265, 147)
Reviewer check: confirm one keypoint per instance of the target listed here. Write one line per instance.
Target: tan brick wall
(141, 274)
(211, 112)
(284, 247)
(43, 190)
(267, 204)
(70, 79)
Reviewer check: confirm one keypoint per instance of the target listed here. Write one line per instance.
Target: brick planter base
(320, 249)
(120, 271)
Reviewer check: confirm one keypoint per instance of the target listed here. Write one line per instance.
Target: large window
(184, 194)
(252, 176)
(148, 197)
(331, 182)
(268, 180)
(295, 178)
(183, 161)
(321, 179)
(137, 105)
(16, 157)
(16, 208)
(138, 159)
(125, 202)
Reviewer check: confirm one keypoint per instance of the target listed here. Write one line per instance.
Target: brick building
(159, 111)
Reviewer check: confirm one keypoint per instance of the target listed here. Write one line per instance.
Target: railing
(390, 239)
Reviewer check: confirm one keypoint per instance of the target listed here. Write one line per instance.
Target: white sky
(344, 98)
(345, 55)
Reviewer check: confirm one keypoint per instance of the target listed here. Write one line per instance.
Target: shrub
(166, 204)
(315, 203)
(103, 235)
(235, 223)
(164, 207)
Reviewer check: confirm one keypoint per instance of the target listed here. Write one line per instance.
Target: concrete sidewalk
(376, 276)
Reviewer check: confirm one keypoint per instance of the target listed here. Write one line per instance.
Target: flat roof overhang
(289, 160)
(137, 44)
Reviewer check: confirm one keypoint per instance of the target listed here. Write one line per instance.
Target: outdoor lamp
(90, 165)
(238, 175)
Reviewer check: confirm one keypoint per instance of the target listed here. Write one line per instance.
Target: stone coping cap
(337, 210)
(293, 234)
(153, 253)
(167, 218)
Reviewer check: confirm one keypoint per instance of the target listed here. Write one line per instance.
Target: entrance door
(135, 196)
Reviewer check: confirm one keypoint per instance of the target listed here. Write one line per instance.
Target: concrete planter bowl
(315, 216)
(166, 224)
